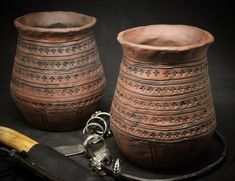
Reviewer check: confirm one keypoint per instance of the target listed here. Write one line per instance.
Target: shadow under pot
(57, 78)
(162, 113)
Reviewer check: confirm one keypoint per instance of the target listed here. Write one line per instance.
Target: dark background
(114, 16)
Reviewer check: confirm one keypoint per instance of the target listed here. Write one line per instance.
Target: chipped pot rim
(122, 40)
(25, 27)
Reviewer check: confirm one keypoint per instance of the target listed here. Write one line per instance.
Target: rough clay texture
(57, 78)
(162, 113)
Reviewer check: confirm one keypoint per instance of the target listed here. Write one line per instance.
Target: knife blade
(70, 150)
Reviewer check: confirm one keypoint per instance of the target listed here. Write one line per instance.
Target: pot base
(59, 121)
(212, 156)
(162, 156)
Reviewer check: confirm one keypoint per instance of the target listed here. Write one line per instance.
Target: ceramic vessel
(162, 113)
(57, 78)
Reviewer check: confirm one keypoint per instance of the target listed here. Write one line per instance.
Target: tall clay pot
(162, 113)
(57, 78)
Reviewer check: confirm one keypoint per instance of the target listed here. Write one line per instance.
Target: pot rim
(121, 39)
(25, 27)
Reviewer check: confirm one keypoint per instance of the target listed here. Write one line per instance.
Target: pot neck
(164, 57)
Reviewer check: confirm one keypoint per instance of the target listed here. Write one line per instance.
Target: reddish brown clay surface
(162, 113)
(57, 78)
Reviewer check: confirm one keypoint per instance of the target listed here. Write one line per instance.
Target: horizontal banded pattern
(164, 103)
(54, 81)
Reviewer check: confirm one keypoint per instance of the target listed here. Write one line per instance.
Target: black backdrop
(114, 16)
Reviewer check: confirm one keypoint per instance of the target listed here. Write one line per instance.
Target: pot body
(57, 78)
(162, 113)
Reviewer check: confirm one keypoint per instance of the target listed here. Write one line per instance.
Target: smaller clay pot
(57, 78)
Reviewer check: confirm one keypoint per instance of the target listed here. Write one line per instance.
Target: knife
(44, 160)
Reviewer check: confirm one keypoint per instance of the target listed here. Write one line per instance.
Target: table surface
(113, 18)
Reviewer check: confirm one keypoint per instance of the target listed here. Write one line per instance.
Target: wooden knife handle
(16, 140)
